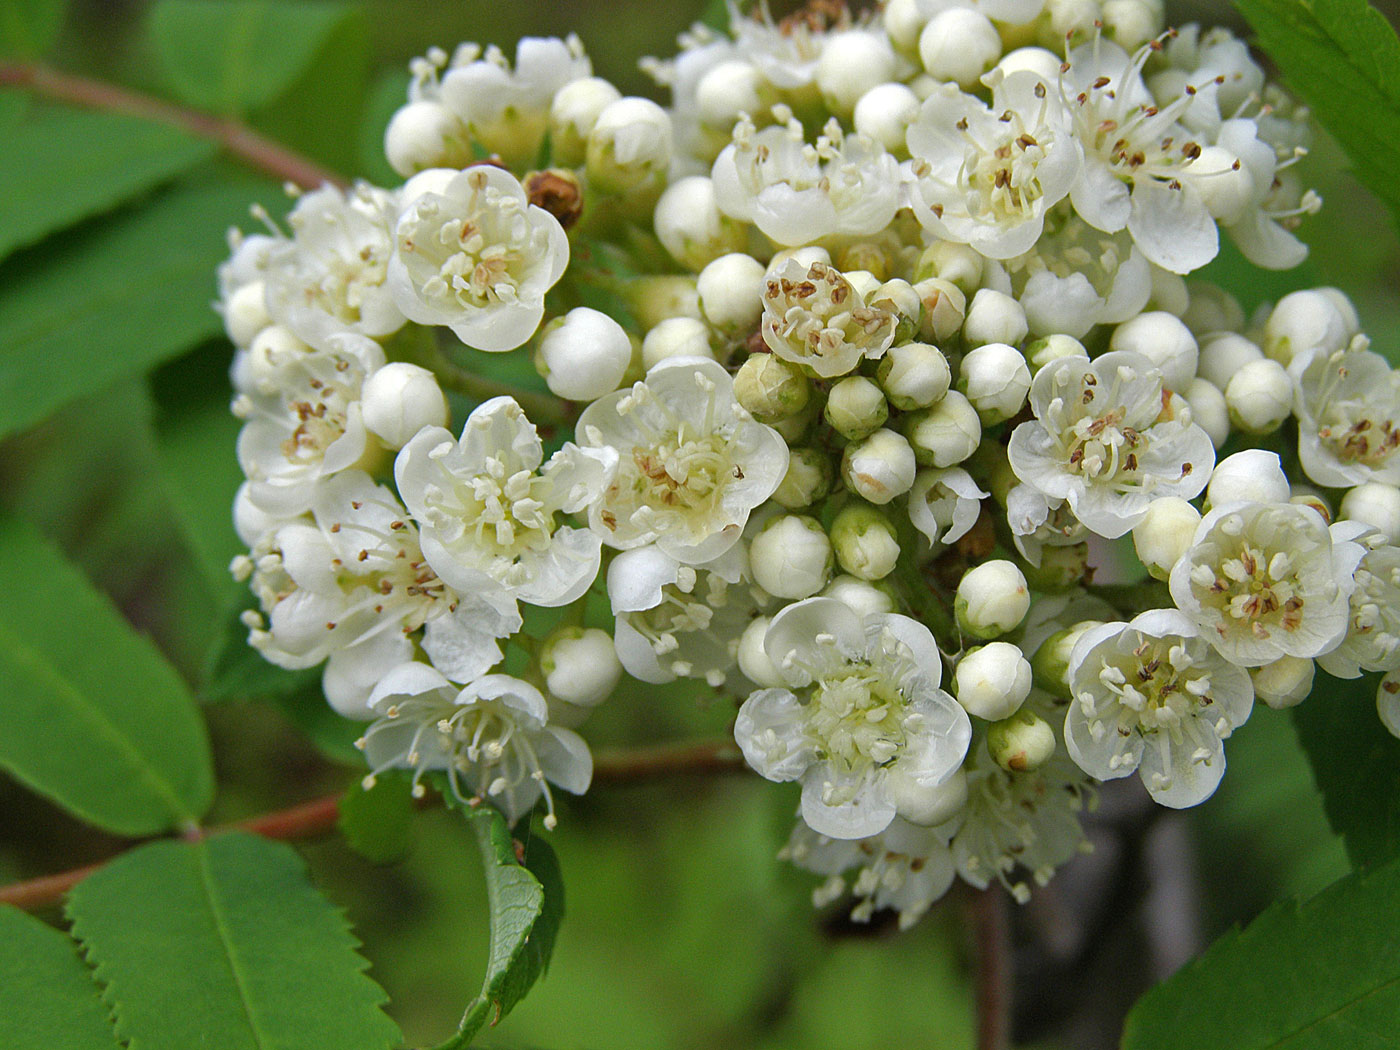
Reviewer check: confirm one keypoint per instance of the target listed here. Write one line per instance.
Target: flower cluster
(889, 337)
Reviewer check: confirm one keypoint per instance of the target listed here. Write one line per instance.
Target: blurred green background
(682, 930)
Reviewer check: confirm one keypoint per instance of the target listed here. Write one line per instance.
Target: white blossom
(944, 501)
(1372, 641)
(1348, 408)
(1152, 696)
(861, 720)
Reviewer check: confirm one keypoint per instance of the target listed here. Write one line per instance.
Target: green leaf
(1343, 58)
(80, 163)
(526, 900)
(236, 56)
(378, 823)
(47, 996)
(95, 718)
(1356, 765)
(225, 943)
(113, 298)
(1317, 975)
(29, 28)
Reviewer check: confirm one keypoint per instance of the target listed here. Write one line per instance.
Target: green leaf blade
(80, 163)
(96, 718)
(225, 943)
(47, 996)
(1304, 976)
(29, 28)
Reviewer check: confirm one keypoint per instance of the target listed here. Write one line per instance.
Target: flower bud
(993, 317)
(1309, 498)
(851, 64)
(731, 292)
(573, 114)
(1165, 534)
(1224, 183)
(996, 380)
(1284, 683)
(1376, 504)
(660, 297)
(1051, 348)
(584, 355)
(580, 665)
(1225, 353)
(676, 337)
(879, 467)
(914, 375)
(1062, 568)
(753, 658)
(728, 89)
(897, 296)
(959, 44)
(808, 479)
(1021, 743)
(795, 428)
(791, 557)
(770, 388)
(1259, 397)
(1211, 309)
(864, 597)
(1388, 702)
(1131, 23)
(884, 114)
(959, 264)
(1169, 294)
(903, 20)
(688, 222)
(425, 134)
(1050, 663)
(399, 400)
(945, 307)
(245, 313)
(1253, 475)
(1163, 340)
(1208, 410)
(928, 805)
(865, 542)
(855, 408)
(629, 144)
(865, 283)
(946, 433)
(992, 599)
(1302, 322)
(992, 681)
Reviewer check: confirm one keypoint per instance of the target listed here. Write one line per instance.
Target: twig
(992, 932)
(318, 817)
(238, 139)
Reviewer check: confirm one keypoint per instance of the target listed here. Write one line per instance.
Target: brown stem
(318, 817)
(238, 139)
(992, 932)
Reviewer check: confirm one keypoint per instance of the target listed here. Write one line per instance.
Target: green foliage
(80, 163)
(29, 28)
(47, 997)
(1343, 58)
(113, 299)
(1356, 764)
(224, 942)
(236, 56)
(378, 823)
(95, 717)
(1304, 976)
(526, 897)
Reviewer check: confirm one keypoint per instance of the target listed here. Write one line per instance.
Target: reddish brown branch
(238, 139)
(992, 931)
(318, 817)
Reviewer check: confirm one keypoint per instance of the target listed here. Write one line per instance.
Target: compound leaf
(47, 996)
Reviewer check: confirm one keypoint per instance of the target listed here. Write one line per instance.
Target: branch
(992, 932)
(620, 766)
(237, 138)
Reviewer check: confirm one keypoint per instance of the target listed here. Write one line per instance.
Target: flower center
(857, 718)
(505, 512)
(1253, 589)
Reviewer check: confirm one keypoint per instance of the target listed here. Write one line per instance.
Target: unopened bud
(630, 143)
(959, 264)
(884, 114)
(1050, 664)
(1163, 340)
(946, 433)
(996, 380)
(425, 134)
(1259, 397)
(992, 681)
(1376, 504)
(945, 307)
(925, 804)
(580, 665)
(1051, 348)
(1021, 743)
(855, 408)
(808, 479)
(1211, 309)
(688, 222)
(959, 44)
(865, 542)
(731, 292)
(1284, 683)
(791, 557)
(879, 467)
(1165, 533)
(1062, 568)
(914, 375)
(994, 317)
(573, 114)
(770, 388)
(852, 63)
(1254, 476)
(584, 355)
(676, 337)
(992, 599)
(1208, 410)
(753, 658)
(1303, 322)
(399, 400)
(1225, 353)
(660, 297)
(864, 597)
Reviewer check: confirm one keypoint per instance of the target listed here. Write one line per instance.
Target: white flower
(1153, 696)
(1099, 440)
(905, 868)
(813, 316)
(871, 725)
(1388, 703)
(302, 412)
(692, 463)
(986, 176)
(491, 738)
(945, 500)
(1348, 407)
(1372, 641)
(471, 253)
(329, 277)
(350, 583)
(1264, 580)
(798, 193)
(489, 512)
(1038, 522)
(681, 621)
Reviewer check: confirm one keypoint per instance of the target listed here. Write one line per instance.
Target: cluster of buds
(860, 357)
